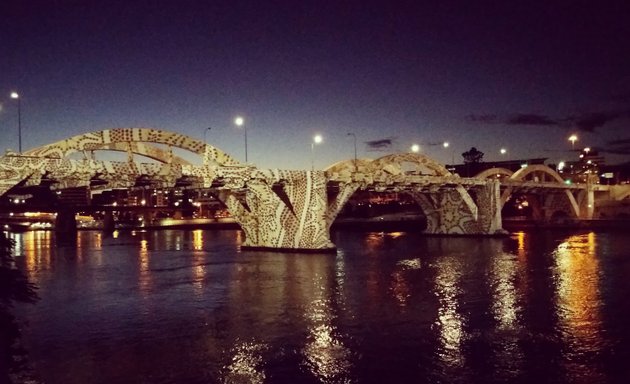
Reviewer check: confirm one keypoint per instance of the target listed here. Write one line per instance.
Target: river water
(176, 306)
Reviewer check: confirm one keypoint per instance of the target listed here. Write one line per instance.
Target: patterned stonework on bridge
(448, 206)
(282, 210)
(293, 210)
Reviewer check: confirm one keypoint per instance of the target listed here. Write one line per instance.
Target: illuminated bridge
(294, 209)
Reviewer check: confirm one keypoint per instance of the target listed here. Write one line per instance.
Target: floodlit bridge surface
(294, 209)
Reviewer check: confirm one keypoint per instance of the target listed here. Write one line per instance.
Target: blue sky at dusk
(489, 74)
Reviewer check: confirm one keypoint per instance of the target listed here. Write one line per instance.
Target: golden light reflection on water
(246, 364)
(199, 268)
(35, 246)
(144, 278)
(449, 321)
(504, 303)
(197, 239)
(326, 355)
(399, 286)
(578, 292)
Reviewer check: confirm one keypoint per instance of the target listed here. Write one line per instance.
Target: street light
(15, 95)
(573, 139)
(239, 121)
(415, 148)
(503, 151)
(446, 144)
(317, 139)
(355, 148)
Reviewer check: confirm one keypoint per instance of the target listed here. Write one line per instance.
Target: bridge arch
(494, 173)
(395, 164)
(555, 204)
(111, 139)
(537, 170)
(349, 165)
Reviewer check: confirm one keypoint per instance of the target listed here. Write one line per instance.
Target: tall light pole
(15, 95)
(316, 140)
(239, 121)
(356, 166)
(573, 139)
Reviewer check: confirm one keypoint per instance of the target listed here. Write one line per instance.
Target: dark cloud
(531, 119)
(484, 118)
(618, 142)
(618, 146)
(591, 121)
(586, 122)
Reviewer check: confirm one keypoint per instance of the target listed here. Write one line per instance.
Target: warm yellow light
(573, 138)
(446, 144)
(503, 151)
(587, 149)
(318, 139)
(415, 148)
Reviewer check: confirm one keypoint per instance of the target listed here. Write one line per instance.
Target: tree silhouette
(14, 287)
(472, 156)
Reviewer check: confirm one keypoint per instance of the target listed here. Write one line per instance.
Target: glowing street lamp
(239, 121)
(317, 139)
(16, 96)
(561, 166)
(573, 139)
(446, 144)
(415, 148)
(503, 151)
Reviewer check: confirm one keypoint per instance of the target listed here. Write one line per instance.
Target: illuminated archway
(102, 139)
(495, 173)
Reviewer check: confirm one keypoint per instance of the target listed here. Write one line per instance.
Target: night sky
(519, 75)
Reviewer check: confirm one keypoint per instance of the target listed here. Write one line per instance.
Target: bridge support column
(109, 225)
(283, 211)
(66, 227)
(454, 212)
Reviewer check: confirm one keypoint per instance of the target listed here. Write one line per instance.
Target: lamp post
(415, 148)
(356, 166)
(573, 139)
(239, 121)
(316, 140)
(15, 95)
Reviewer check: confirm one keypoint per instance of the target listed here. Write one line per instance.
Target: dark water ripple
(190, 307)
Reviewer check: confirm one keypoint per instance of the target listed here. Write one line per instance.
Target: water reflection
(144, 273)
(326, 355)
(189, 306)
(450, 321)
(246, 365)
(35, 247)
(579, 302)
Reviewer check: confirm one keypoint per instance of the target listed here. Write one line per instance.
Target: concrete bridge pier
(109, 225)
(66, 227)
(458, 212)
(282, 211)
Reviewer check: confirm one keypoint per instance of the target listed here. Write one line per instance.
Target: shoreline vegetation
(14, 287)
